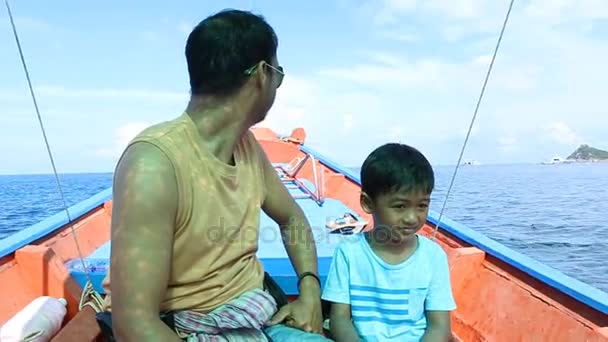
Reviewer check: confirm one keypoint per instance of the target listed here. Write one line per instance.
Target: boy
(390, 284)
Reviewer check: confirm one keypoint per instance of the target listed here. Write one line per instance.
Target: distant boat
(471, 162)
(556, 160)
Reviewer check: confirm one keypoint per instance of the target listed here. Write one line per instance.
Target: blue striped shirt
(388, 301)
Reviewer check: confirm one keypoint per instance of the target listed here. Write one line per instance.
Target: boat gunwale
(585, 293)
(53, 224)
(572, 287)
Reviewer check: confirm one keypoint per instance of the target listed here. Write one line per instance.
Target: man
(182, 187)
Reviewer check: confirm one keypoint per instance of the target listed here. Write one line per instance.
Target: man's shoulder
(149, 144)
(161, 130)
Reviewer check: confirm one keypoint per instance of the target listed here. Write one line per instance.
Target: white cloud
(483, 59)
(122, 136)
(561, 133)
(384, 58)
(474, 130)
(403, 37)
(399, 72)
(293, 105)
(53, 92)
(456, 8)
(507, 143)
(422, 90)
(567, 10)
(396, 133)
(456, 20)
(151, 36)
(454, 33)
(389, 11)
(26, 23)
(112, 93)
(185, 28)
(550, 69)
(348, 122)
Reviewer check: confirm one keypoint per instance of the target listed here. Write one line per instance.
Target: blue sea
(553, 213)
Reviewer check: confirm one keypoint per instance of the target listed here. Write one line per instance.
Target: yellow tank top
(217, 225)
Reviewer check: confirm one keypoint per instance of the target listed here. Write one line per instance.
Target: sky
(358, 74)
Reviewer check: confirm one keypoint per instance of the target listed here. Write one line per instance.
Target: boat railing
(289, 174)
(317, 180)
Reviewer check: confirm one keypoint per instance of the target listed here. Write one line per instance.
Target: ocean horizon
(353, 168)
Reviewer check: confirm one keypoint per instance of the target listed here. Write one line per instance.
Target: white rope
(48, 147)
(466, 140)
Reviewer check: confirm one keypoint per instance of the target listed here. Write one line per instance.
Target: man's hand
(304, 313)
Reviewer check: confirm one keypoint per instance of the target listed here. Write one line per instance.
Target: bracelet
(306, 274)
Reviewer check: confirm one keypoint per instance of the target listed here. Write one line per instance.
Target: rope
(48, 147)
(466, 140)
(33, 336)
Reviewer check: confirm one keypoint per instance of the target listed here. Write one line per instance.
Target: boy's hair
(393, 167)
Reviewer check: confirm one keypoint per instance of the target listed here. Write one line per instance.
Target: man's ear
(366, 203)
(259, 75)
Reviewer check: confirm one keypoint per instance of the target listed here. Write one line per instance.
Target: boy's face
(400, 214)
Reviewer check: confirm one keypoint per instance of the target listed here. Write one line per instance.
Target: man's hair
(223, 46)
(393, 167)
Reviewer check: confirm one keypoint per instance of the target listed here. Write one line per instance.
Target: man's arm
(306, 312)
(144, 209)
(297, 234)
(438, 327)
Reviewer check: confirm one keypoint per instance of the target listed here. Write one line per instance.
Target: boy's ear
(366, 203)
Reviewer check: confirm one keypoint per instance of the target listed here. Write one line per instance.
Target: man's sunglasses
(279, 71)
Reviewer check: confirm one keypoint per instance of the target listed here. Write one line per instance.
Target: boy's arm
(440, 301)
(438, 327)
(337, 291)
(340, 323)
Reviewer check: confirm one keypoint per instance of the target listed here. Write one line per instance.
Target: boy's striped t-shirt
(388, 301)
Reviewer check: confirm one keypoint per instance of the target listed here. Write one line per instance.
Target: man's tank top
(217, 222)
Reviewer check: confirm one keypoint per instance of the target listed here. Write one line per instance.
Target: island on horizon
(588, 153)
(583, 154)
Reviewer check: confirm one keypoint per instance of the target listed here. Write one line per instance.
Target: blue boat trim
(22, 238)
(582, 292)
(97, 268)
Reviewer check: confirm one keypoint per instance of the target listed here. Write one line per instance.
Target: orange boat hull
(501, 295)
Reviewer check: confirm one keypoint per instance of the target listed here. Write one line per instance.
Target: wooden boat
(501, 294)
